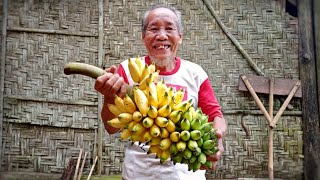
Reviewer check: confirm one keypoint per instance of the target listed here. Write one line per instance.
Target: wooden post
(100, 99)
(270, 159)
(2, 66)
(316, 15)
(308, 76)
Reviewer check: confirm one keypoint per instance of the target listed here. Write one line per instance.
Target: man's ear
(180, 41)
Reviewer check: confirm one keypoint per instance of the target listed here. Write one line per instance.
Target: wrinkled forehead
(161, 13)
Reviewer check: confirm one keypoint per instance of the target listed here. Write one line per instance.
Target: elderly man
(161, 35)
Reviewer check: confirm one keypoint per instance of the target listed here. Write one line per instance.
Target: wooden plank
(308, 76)
(2, 66)
(261, 84)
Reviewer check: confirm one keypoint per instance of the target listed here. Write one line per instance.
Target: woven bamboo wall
(48, 116)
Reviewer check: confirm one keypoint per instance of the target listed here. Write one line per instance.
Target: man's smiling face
(162, 35)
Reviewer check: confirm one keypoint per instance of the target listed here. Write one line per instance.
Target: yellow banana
(139, 63)
(192, 112)
(164, 155)
(125, 117)
(175, 116)
(145, 72)
(131, 125)
(175, 136)
(178, 96)
(114, 109)
(147, 122)
(116, 123)
(154, 130)
(138, 128)
(161, 121)
(181, 145)
(141, 101)
(165, 143)
(164, 133)
(154, 149)
(161, 89)
(183, 106)
(164, 100)
(155, 76)
(164, 111)
(152, 100)
(153, 90)
(144, 83)
(135, 71)
(171, 127)
(154, 140)
(152, 112)
(125, 134)
(129, 105)
(137, 116)
(136, 137)
(152, 67)
(147, 136)
(118, 101)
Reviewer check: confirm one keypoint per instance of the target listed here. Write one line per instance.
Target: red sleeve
(123, 74)
(208, 101)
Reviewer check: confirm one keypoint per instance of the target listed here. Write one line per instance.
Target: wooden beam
(2, 67)
(261, 84)
(308, 76)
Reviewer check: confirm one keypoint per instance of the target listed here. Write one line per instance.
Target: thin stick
(95, 161)
(285, 104)
(78, 163)
(256, 98)
(270, 159)
(82, 165)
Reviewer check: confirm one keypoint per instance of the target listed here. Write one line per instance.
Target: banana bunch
(158, 116)
(197, 140)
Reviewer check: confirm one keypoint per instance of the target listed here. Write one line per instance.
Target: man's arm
(109, 85)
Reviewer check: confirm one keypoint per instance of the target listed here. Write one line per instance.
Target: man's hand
(110, 84)
(216, 157)
(221, 128)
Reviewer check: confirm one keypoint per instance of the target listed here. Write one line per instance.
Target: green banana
(195, 134)
(192, 145)
(185, 124)
(185, 135)
(195, 124)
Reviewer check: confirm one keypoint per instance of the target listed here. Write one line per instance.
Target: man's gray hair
(173, 9)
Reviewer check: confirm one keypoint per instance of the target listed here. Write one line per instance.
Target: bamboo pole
(256, 98)
(100, 101)
(77, 167)
(94, 163)
(270, 159)
(285, 104)
(3, 64)
(233, 39)
(82, 165)
(50, 31)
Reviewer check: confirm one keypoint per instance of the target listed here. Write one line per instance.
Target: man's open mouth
(162, 47)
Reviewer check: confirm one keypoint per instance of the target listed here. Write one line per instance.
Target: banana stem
(83, 69)
(88, 70)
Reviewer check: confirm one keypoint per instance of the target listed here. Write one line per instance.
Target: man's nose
(162, 34)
